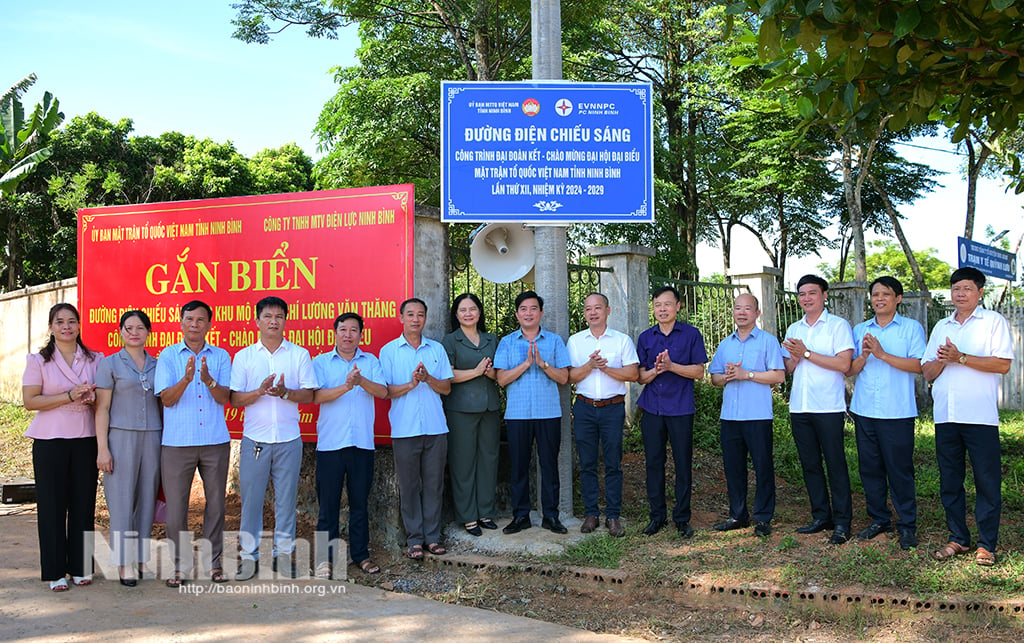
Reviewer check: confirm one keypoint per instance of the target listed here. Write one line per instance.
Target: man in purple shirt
(672, 356)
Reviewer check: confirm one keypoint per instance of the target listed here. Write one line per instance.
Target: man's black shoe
(247, 569)
(517, 525)
(653, 527)
(840, 535)
(286, 564)
(554, 525)
(730, 524)
(684, 529)
(874, 529)
(908, 539)
(815, 527)
(763, 529)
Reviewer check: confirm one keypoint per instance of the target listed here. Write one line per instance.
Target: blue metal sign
(992, 261)
(546, 152)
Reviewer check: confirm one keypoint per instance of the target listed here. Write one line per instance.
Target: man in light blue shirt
(532, 363)
(888, 351)
(418, 373)
(191, 379)
(748, 363)
(349, 379)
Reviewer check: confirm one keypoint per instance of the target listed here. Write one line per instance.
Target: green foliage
(284, 169)
(98, 162)
(23, 142)
(852, 62)
(887, 258)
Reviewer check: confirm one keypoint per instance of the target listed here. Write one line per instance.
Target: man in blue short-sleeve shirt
(672, 356)
(532, 362)
(887, 355)
(748, 363)
(191, 380)
(349, 380)
(418, 373)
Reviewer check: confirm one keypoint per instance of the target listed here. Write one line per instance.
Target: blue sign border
(547, 152)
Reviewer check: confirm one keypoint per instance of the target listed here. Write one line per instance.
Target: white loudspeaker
(502, 252)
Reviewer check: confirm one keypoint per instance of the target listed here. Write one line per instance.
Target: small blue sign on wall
(992, 261)
(546, 152)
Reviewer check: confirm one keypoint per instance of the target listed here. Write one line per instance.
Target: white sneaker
(324, 571)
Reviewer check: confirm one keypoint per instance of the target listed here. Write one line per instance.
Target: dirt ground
(645, 607)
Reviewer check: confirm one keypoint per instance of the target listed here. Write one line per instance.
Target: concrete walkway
(300, 610)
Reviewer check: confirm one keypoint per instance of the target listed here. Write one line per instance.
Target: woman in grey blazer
(129, 425)
(473, 412)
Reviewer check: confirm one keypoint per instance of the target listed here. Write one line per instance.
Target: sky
(173, 66)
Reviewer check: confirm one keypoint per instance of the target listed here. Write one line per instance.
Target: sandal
(175, 581)
(369, 567)
(487, 523)
(950, 550)
(415, 552)
(217, 575)
(60, 585)
(82, 581)
(984, 557)
(473, 529)
(437, 549)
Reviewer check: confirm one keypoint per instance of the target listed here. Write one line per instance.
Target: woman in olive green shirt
(473, 413)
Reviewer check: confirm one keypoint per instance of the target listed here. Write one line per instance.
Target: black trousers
(65, 471)
(820, 436)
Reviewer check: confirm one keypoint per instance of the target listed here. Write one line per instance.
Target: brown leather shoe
(589, 524)
(615, 527)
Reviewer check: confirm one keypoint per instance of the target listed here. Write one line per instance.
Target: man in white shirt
(965, 357)
(603, 360)
(270, 379)
(820, 347)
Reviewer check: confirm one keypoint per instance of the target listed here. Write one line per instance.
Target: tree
(23, 146)
(207, 169)
(887, 258)
(284, 169)
(915, 61)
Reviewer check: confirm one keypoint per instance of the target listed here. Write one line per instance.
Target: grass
(794, 563)
(601, 551)
(16, 453)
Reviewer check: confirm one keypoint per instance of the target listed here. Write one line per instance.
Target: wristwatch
(962, 359)
(807, 354)
(750, 375)
(286, 393)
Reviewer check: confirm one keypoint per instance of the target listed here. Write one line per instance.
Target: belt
(600, 403)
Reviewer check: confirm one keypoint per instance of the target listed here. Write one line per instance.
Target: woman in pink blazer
(59, 383)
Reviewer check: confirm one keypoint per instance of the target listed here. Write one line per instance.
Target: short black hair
(347, 316)
(892, 283)
(814, 280)
(271, 302)
(453, 320)
(971, 274)
(664, 289)
(143, 317)
(529, 294)
(412, 300)
(597, 294)
(195, 304)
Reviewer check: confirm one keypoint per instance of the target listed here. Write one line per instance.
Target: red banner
(325, 253)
